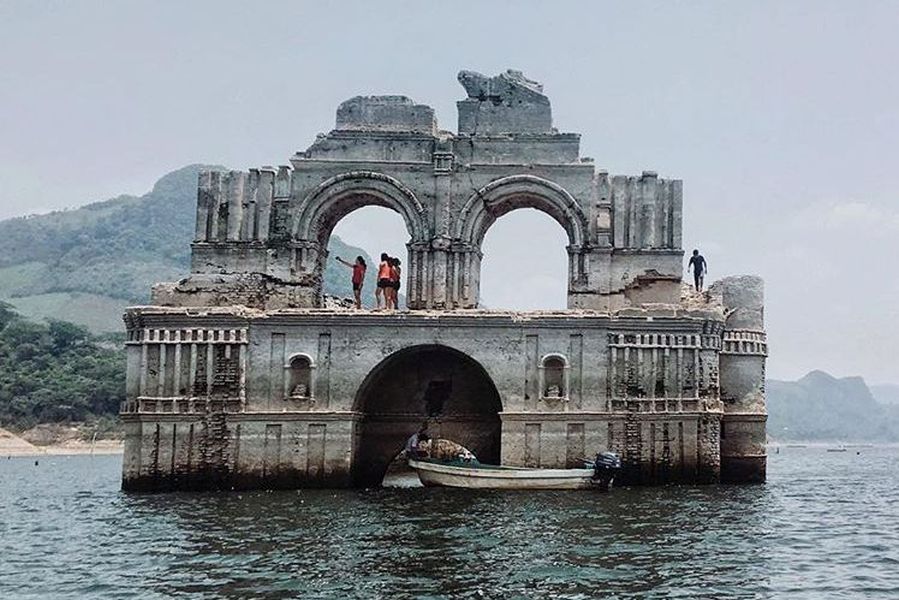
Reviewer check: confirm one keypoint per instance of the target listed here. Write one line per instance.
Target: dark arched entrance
(437, 384)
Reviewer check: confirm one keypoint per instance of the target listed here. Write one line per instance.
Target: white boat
(478, 476)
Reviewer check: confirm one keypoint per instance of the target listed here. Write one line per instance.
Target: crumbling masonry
(240, 376)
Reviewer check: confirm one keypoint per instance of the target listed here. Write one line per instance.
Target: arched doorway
(373, 230)
(512, 193)
(324, 207)
(435, 384)
(521, 276)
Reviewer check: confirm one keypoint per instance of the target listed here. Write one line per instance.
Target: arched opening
(319, 212)
(507, 194)
(366, 231)
(430, 384)
(524, 264)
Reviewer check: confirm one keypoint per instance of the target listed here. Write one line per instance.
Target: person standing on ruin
(395, 274)
(384, 286)
(700, 268)
(358, 268)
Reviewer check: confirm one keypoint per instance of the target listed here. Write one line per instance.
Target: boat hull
(502, 478)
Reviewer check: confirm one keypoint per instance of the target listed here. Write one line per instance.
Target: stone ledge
(262, 417)
(602, 416)
(655, 318)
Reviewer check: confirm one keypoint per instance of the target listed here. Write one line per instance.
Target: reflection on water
(824, 525)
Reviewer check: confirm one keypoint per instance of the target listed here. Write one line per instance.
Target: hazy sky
(782, 118)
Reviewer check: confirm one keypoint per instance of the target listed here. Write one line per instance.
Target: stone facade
(239, 376)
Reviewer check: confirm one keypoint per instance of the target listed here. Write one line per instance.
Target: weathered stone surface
(507, 103)
(742, 365)
(244, 374)
(386, 113)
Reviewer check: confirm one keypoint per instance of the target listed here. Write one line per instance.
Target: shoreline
(101, 447)
(13, 445)
(818, 444)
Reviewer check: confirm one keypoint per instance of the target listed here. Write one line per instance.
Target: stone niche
(386, 113)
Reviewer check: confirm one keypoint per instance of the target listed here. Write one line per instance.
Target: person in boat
(700, 268)
(384, 286)
(358, 277)
(414, 445)
(395, 273)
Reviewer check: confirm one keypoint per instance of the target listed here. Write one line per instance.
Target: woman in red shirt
(358, 277)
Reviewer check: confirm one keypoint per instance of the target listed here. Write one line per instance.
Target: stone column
(264, 200)
(742, 379)
(205, 200)
(439, 256)
(417, 275)
(235, 194)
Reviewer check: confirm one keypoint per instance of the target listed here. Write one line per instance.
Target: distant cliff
(820, 407)
(85, 265)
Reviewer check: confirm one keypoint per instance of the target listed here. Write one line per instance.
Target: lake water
(825, 526)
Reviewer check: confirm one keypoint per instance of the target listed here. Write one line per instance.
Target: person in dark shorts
(384, 286)
(395, 275)
(358, 277)
(700, 268)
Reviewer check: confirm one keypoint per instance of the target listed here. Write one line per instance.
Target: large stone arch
(432, 383)
(333, 199)
(506, 194)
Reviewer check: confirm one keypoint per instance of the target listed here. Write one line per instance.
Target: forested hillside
(56, 371)
(85, 265)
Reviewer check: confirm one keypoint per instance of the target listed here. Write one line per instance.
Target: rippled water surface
(826, 525)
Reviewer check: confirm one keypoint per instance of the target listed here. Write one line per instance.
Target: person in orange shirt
(384, 285)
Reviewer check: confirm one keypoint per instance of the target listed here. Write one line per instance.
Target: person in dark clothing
(699, 267)
(412, 444)
(395, 274)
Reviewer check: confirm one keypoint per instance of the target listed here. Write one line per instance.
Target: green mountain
(823, 408)
(86, 265)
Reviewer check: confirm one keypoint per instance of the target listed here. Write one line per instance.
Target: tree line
(56, 372)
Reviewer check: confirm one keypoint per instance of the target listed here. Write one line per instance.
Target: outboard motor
(606, 467)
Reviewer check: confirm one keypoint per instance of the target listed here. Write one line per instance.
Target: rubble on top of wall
(691, 298)
(338, 303)
(506, 103)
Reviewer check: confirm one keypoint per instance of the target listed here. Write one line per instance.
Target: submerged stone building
(241, 376)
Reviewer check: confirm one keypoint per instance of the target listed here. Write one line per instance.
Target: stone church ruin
(240, 376)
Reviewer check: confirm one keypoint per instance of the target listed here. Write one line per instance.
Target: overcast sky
(782, 118)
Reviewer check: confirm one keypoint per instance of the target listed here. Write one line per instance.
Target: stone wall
(567, 387)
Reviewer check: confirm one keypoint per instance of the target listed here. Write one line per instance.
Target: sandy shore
(13, 445)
